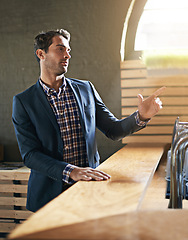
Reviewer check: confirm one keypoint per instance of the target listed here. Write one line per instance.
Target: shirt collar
(51, 91)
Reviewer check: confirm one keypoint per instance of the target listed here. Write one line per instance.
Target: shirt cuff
(139, 122)
(66, 174)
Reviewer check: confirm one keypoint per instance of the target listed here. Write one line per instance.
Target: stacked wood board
(134, 80)
(13, 190)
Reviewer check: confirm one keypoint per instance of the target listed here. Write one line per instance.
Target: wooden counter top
(137, 225)
(131, 170)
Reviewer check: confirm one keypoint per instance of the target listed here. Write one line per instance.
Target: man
(55, 122)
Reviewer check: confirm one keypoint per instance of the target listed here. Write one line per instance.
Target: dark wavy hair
(44, 39)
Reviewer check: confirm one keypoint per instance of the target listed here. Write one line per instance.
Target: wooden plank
(17, 214)
(169, 91)
(133, 73)
(173, 81)
(22, 173)
(156, 130)
(132, 64)
(167, 110)
(17, 174)
(183, 101)
(13, 188)
(22, 214)
(164, 120)
(147, 139)
(16, 201)
(6, 201)
(7, 213)
(7, 227)
(6, 175)
(20, 201)
(22, 176)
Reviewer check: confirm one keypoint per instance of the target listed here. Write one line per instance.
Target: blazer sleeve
(111, 126)
(30, 146)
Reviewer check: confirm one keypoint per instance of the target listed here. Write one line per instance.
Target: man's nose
(67, 55)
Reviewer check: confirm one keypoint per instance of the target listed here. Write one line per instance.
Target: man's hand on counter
(87, 174)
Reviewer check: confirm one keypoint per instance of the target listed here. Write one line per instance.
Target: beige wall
(96, 27)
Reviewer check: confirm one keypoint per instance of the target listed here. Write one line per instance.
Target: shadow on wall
(96, 28)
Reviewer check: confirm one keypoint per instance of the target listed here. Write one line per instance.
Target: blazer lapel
(78, 97)
(46, 106)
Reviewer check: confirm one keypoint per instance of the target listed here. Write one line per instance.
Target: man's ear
(40, 54)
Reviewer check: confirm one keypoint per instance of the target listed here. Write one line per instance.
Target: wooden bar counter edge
(106, 209)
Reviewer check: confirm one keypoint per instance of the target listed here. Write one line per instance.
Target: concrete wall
(96, 27)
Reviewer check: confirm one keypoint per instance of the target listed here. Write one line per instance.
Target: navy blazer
(40, 142)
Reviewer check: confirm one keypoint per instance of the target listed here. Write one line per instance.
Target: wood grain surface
(131, 170)
(138, 225)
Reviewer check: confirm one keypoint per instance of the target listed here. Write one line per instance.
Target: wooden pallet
(13, 191)
(134, 80)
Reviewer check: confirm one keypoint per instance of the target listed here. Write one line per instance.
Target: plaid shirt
(65, 109)
(139, 122)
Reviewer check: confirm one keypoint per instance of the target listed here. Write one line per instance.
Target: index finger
(158, 91)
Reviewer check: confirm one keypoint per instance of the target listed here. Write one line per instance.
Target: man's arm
(117, 129)
(30, 146)
(111, 126)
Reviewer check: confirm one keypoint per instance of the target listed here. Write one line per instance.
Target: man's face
(56, 60)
